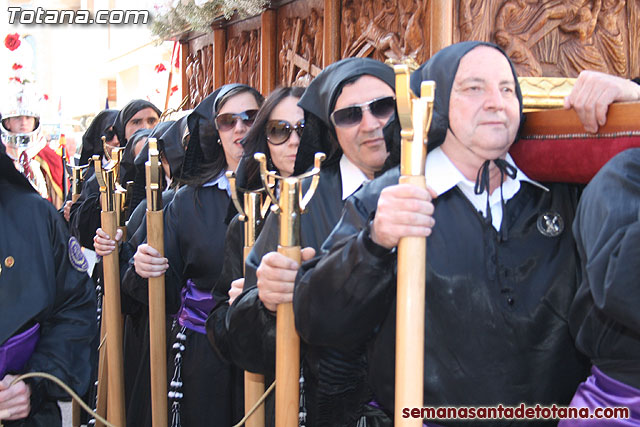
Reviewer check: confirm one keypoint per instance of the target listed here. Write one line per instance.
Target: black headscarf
(170, 143)
(130, 110)
(203, 144)
(319, 101)
(91, 140)
(9, 173)
(138, 192)
(127, 170)
(442, 68)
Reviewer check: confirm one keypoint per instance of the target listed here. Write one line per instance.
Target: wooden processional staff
(415, 118)
(252, 213)
(112, 199)
(77, 180)
(290, 206)
(157, 317)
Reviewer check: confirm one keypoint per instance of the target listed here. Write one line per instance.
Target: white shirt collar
(442, 175)
(221, 182)
(352, 177)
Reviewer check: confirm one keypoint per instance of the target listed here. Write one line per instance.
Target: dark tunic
(193, 233)
(42, 286)
(335, 386)
(496, 311)
(605, 317)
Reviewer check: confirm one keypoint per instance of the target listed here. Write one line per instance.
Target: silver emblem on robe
(550, 224)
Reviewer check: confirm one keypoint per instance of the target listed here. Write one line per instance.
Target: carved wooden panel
(242, 58)
(385, 29)
(557, 38)
(199, 68)
(300, 38)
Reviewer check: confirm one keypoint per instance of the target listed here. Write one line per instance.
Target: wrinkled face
(146, 118)
(230, 139)
(20, 124)
(284, 155)
(484, 113)
(363, 143)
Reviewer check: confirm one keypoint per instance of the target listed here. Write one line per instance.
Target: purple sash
(17, 350)
(600, 390)
(195, 308)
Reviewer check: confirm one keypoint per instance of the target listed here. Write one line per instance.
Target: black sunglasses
(279, 131)
(227, 121)
(381, 108)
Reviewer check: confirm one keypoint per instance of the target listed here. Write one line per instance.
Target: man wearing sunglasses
(501, 266)
(349, 115)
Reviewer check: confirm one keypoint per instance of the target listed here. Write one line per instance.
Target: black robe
(335, 388)
(193, 233)
(604, 316)
(43, 286)
(496, 326)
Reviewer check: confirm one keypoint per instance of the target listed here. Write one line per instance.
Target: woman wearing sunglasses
(276, 132)
(200, 388)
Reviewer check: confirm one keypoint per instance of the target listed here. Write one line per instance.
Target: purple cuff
(17, 350)
(195, 308)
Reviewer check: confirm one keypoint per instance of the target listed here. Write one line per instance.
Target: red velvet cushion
(574, 160)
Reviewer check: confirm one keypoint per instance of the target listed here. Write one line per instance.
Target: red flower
(177, 63)
(157, 90)
(46, 97)
(174, 89)
(12, 41)
(160, 68)
(16, 78)
(16, 66)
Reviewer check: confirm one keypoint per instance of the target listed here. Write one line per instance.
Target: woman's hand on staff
(149, 263)
(103, 244)
(276, 277)
(15, 400)
(403, 210)
(236, 289)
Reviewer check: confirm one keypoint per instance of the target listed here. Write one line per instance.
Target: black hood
(130, 110)
(127, 170)
(138, 191)
(318, 102)
(91, 140)
(442, 68)
(9, 173)
(203, 144)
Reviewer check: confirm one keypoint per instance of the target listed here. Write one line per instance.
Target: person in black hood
(137, 114)
(48, 305)
(101, 125)
(194, 228)
(349, 115)
(501, 264)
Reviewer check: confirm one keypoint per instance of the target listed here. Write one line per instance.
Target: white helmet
(24, 101)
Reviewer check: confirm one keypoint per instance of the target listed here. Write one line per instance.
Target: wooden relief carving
(300, 55)
(555, 37)
(384, 29)
(199, 74)
(242, 59)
